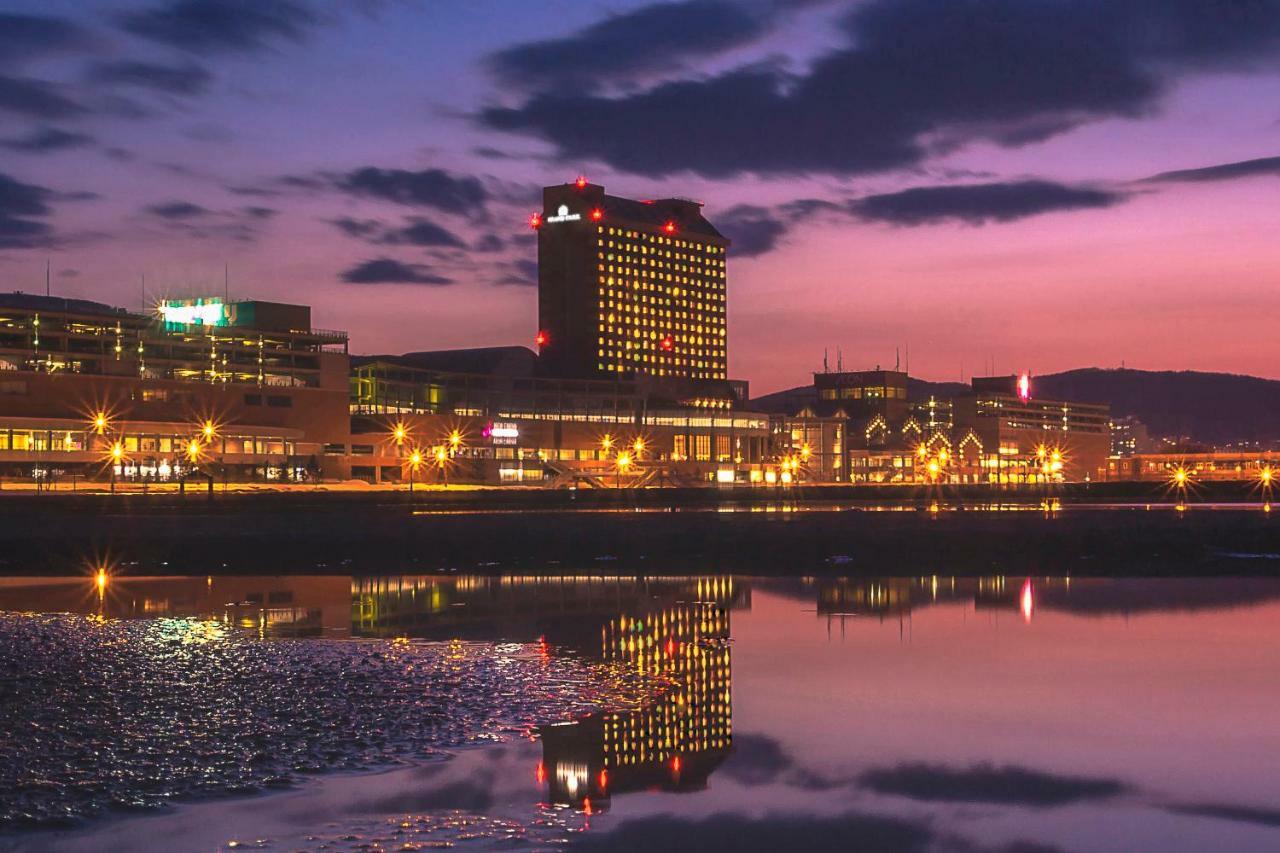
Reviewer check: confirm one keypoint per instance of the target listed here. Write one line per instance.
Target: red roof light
(581, 183)
(597, 215)
(670, 228)
(541, 338)
(668, 343)
(535, 221)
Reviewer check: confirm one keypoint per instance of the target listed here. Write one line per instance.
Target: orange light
(209, 429)
(668, 343)
(100, 422)
(606, 443)
(101, 579)
(193, 450)
(597, 215)
(540, 774)
(455, 438)
(581, 182)
(671, 646)
(675, 764)
(586, 805)
(117, 451)
(399, 433)
(604, 779)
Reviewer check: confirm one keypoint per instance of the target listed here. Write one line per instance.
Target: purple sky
(975, 179)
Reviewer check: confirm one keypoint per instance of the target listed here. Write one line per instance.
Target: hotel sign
(503, 432)
(563, 215)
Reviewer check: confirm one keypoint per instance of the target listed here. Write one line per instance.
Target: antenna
(907, 364)
(839, 360)
(824, 359)
(897, 358)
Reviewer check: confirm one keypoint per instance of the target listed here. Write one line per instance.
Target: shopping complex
(628, 386)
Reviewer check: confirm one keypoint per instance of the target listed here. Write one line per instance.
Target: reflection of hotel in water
(674, 629)
(671, 744)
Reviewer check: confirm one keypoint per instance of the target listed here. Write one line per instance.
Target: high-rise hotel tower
(629, 288)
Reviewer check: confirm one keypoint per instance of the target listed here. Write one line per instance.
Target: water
(617, 712)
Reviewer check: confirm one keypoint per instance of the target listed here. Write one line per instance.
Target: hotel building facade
(629, 288)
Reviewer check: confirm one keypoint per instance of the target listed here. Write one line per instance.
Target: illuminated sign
(563, 215)
(199, 312)
(1024, 387)
(502, 432)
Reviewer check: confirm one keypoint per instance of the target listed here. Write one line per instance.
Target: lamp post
(415, 462)
(442, 460)
(623, 462)
(117, 457)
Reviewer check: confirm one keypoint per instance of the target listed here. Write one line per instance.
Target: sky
(963, 187)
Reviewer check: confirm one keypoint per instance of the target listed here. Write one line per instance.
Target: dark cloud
(756, 760)
(45, 140)
(1261, 167)
(434, 188)
(916, 77)
(651, 38)
(210, 26)
(987, 784)
(24, 37)
(752, 230)
(181, 210)
(522, 273)
(737, 833)
(489, 243)
(22, 206)
(188, 79)
(259, 212)
(1225, 811)
(389, 271)
(416, 232)
(36, 98)
(977, 204)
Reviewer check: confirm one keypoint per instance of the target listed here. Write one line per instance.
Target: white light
(505, 432)
(205, 313)
(563, 215)
(724, 475)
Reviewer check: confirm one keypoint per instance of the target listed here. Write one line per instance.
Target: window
(702, 448)
(155, 395)
(280, 401)
(680, 448)
(253, 399)
(362, 450)
(722, 448)
(335, 449)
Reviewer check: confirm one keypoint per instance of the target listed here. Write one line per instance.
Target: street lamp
(117, 457)
(399, 432)
(623, 462)
(100, 422)
(415, 462)
(638, 447)
(442, 460)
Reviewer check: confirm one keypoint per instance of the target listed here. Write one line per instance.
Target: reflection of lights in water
(572, 777)
(540, 773)
(1026, 602)
(101, 580)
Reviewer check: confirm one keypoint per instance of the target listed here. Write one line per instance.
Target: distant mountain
(1215, 408)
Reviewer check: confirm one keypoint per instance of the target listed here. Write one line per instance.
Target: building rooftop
(35, 302)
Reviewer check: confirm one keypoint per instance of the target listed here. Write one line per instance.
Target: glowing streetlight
(209, 430)
(442, 462)
(415, 462)
(455, 440)
(100, 422)
(398, 433)
(193, 451)
(117, 456)
(623, 462)
(805, 452)
(638, 447)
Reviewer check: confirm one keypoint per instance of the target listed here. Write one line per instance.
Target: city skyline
(1112, 201)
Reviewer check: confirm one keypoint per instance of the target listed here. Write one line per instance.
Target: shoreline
(50, 535)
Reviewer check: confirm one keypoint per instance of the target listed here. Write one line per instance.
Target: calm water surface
(617, 712)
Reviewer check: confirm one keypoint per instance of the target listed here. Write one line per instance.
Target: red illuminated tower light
(535, 221)
(581, 182)
(670, 228)
(541, 338)
(668, 343)
(597, 214)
